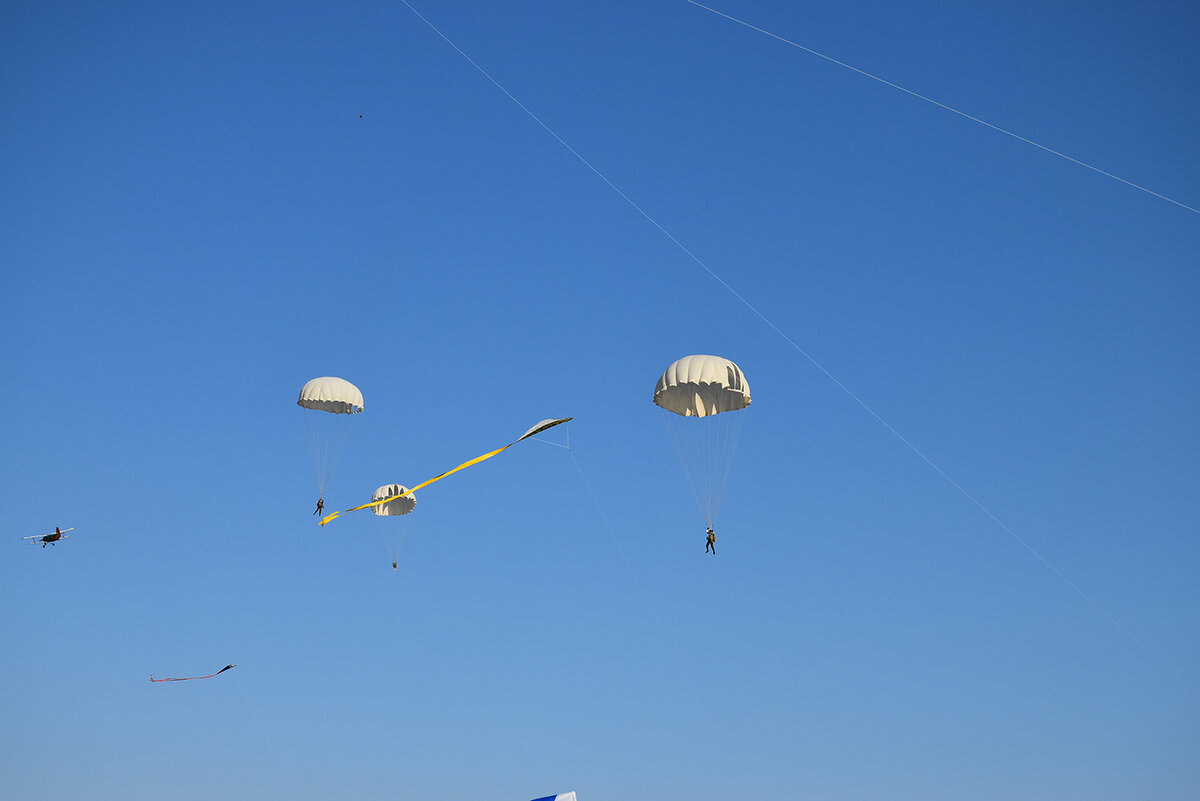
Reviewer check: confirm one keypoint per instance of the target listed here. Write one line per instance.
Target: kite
(194, 678)
(389, 499)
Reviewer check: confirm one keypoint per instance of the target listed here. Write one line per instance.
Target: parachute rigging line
(537, 429)
(812, 360)
(706, 459)
(196, 678)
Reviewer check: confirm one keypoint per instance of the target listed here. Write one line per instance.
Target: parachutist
(393, 565)
(710, 543)
(320, 506)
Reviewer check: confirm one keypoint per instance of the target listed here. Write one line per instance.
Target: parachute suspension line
(693, 463)
(811, 359)
(337, 447)
(732, 434)
(705, 447)
(393, 541)
(314, 452)
(327, 436)
(399, 547)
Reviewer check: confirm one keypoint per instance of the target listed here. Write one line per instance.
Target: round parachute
(394, 534)
(328, 405)
(700, 386)
(401, 506)
(330, 394)
(700, 392)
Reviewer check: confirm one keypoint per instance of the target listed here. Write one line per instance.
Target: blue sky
(205, 207)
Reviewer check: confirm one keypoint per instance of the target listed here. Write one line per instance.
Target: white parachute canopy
(699, 386)
(560, 797)
(329, 394)
(401, 506)
(702, 395)
(328, 405)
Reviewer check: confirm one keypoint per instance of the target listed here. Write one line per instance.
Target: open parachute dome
(402, 504)
(330, 394)
(699, 386)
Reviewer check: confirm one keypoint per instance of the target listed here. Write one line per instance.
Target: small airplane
(59, 534)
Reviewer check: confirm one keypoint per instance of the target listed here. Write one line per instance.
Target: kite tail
(196, 678)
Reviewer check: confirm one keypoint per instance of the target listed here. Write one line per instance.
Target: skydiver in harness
(710, 542)
(320, 505)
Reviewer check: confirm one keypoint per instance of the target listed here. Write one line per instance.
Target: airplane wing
(39, 536)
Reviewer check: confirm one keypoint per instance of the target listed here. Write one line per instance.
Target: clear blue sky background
(203, 207)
